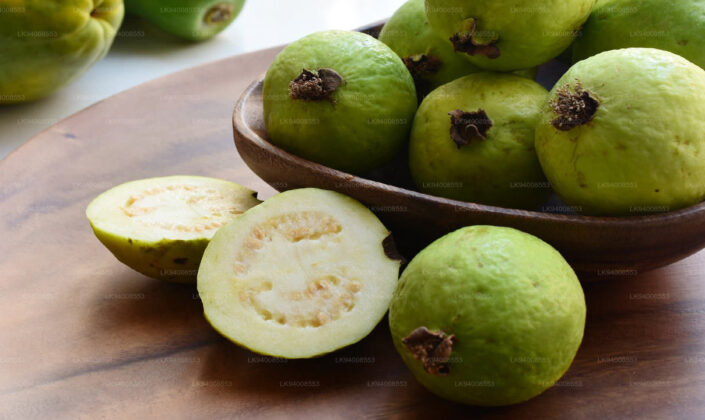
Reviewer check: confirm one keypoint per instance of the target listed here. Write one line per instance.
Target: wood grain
(84, 337)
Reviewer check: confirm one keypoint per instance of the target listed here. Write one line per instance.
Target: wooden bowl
(597, 246)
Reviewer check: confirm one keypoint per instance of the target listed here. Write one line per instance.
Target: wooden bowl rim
(241, 126)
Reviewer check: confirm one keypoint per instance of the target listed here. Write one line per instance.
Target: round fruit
(622, 133)
(429, 58)
(195, 20)
(161, 226)
(678, 27)
(473, 140)
(45, 45)
(303, 274)
(339, 98)
(508, 35)
(488, 316)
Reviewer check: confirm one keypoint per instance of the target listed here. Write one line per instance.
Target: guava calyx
(470, 42)
(390, 249)
(574, 108)
(422, 66)
(318, 86)
(432, 349)
(218, 13)
(468, 126)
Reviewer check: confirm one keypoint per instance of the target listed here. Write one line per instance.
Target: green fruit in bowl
(161, 226)
(195, 20)
(488, 316)
(508, 35)
(339, 98)
(429, 58)
(45, 45)
(675, 26)
(303, 274)
(473, 140)
(621, 133)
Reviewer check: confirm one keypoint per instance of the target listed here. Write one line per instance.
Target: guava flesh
(194, 20)
(473, 140)
(160, 227)
(621, 133)
(339, 98)
(45, 45)
(303, 274)
(505, 35)
(676, 26)
(488, 316)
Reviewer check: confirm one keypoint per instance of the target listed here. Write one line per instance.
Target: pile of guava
(485, 315)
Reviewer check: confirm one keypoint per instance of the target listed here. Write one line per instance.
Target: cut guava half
(161, 226)
(305, 273)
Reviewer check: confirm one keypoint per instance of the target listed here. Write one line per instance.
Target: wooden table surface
(82, 336)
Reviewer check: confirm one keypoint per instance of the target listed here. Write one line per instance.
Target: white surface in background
(141, 53)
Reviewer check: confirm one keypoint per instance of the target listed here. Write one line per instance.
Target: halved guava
(161, 226)
(303, 274)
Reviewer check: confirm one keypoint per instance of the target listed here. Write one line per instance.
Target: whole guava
(339, 98)
(508, 34)
(429, 58)
(473, 140)
(675, 26)
(488, 316)
(622, 133)
(195, 20)
(45, 45)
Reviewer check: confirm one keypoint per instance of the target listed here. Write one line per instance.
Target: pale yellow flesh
(303, 274)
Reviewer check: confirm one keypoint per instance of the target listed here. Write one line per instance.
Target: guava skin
(501, 170)
(641, 150)
(678, 27)
(363, 123)
(513, 306)
(509, 35)
(45, 45)
(194, 20)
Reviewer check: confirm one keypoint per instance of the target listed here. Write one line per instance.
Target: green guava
(195, 20)
(473, 140)
(161, 226)
(46, 45)
(488, 316)
(339, 98)
(675, 26)
(622, 133)
(429, 58)
(505, 34)
(302, 274)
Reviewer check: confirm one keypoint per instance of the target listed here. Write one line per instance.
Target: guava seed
(574, 108)
(310, 86)
(466, 42)
(432, 349)
(468, 126)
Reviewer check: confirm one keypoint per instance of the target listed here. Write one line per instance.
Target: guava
(429, 58)
(303, 274)
(195, 20)
(339, 98)
(508, 35)
(473, 140)
(675, 26)
(622, 133)
(488, 316)
(161, 226)
(45, 45)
